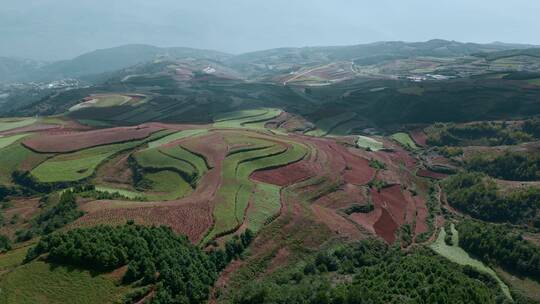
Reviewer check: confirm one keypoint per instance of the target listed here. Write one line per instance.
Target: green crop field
(167, 185)
(175, 136)
(405, 140)
(13, 123)
(180, 153)
(365, 142)
(237, 189)
(266, 204)
(8, 140)
(254, 119)
(155, 159)
(326, 125)
(40, 282)
(457, 255)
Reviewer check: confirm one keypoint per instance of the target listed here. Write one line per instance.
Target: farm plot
(167, 185)
(405, 140)
(74, 141)
(254, 119)
(82, 164)
(14, 123)
(326, 125)
(457, 255)
(369, 143)
(16, 157)
(232, 199)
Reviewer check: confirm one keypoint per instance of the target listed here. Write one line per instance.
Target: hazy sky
(61, 29)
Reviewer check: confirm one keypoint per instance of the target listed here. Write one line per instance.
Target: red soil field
(190, 219)
(419, 137)
(73, 141)
(392, 199)
(385, 227)
(430, 174)
(286, 175)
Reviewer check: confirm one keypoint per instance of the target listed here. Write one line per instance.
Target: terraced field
(82, 164)
(237, 190)
(255, 118)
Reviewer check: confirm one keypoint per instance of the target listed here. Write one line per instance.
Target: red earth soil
(73, 141)
(392, 199)
(335, 222)
(430, 174)
(286, 175)
(190, 219)
(385, 227)
(419, 137)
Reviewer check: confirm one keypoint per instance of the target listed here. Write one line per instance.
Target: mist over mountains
(116, 58)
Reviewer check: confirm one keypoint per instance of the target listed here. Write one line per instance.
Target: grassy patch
(12, 258)
(365, 142)
(457, 255)
(405, 140)
(13, 157)
(6, 141)
(175, 136)
(39, 282)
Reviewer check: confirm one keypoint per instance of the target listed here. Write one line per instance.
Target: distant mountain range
(112, 59)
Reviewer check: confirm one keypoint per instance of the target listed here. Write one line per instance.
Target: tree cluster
(479, 196)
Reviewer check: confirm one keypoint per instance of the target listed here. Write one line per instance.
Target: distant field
(39, 282)
(457, 255)
(369, 143)
(126, 193)
(405, 140)
(248, 118)
(13, 123)
(326, 125)
(108, 100)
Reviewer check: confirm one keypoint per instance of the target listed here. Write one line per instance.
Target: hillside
(383, 173)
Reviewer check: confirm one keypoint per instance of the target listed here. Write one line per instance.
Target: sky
(62, 29)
